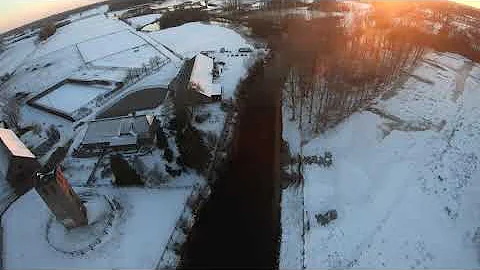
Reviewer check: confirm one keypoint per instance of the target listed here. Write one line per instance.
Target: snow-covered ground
(80, 31)
(403, 179)
(70, 97)
(140, 21)
(131, 58)
(203, 37)
(41, 73)
(15, 55)
(215, 120)
(89, 13)
(138, 239)
(103, 46)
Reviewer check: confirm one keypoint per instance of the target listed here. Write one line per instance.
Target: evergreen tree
(162, 141)
(124, 174)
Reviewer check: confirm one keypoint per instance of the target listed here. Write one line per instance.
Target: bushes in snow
(135, 74)
(326, 160)
(327, 217)
(181, 16)
(162, 142)
(168, 154)
(200, 118)
(181, 163)
(172, 171)
(124, 174)
(172, 124)
(47, 31)
(194, 151)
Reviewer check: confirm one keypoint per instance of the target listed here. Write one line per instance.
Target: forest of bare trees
(334, 72)
(331, 70)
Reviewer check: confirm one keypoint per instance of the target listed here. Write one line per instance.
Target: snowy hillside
(403, 179)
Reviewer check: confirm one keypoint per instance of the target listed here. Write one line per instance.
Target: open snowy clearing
(15, 55)
(403, 179)
(137, 241)
(70, 97)
(41, 73)
(79, 31)
(131, 58)
(108, 45)
(202, 37)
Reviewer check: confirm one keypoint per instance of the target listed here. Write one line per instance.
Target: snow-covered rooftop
(201, 78)
(13, 144)
(117, 131)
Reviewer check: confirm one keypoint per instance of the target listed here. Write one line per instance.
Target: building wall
(64, 203)
(21, 174)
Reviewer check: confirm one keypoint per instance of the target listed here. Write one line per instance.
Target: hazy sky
(14, 13)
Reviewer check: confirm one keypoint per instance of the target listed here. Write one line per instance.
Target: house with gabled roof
(118, 133)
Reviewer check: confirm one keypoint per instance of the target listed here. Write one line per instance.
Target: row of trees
(135, 74)
(181, 16)
(47, 31)
(329, 70)
(333, 72)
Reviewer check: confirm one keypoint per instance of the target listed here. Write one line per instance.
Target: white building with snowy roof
(201, 79)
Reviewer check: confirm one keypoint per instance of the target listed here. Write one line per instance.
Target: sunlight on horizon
(472, 3)
(16, 13)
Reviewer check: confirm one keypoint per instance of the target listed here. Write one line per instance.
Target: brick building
(59, 196)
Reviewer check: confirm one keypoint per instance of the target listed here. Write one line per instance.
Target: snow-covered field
(41, 73)
(80, 31)
(403, 179)
(70, 97)
(15, 55)
(216, 118)
(137, 241)
(103, 46)
(131, 58)
(202, 37)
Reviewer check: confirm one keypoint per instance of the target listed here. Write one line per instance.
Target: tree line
(330, 70)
